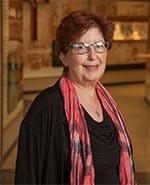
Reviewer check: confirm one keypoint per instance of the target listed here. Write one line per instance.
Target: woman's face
(89, 67)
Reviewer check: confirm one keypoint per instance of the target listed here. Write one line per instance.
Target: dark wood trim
(33, 5)
(42, 1)
(128, 18)
(36, 1)
(134, 0)
(1, 81)
(130, 40)
(34, 21)
(125, 66)
(123, 83)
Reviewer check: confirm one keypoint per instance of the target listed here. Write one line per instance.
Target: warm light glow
(144, 55)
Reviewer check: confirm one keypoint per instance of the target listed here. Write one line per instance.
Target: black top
(44, 146)
(105, 149)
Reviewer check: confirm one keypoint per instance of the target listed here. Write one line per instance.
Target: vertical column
(3, 64)
(33, 20)
(11, 72)
(5, 38)
(1, 82)
(147, 81)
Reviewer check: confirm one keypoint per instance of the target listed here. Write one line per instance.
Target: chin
(97, 78)
(92, 80)
(101, 74)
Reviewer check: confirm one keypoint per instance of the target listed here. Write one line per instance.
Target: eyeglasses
(82, 48)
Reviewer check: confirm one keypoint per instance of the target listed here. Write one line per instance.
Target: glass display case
(134, 30)
(14, 59)
(11, 99)
(131, 30)
(130, 37)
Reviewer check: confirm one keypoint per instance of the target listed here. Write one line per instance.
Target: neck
(88, 91)
(83, 86)
(88, 98)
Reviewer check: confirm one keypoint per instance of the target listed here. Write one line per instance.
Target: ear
(62, 57)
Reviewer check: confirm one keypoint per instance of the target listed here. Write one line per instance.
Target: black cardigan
(44, 150)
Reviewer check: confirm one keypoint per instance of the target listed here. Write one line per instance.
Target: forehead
(93, 34)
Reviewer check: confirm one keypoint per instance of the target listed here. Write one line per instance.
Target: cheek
(75, 61)
(104, 58)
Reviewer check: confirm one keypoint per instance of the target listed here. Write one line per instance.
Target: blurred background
(28, 64)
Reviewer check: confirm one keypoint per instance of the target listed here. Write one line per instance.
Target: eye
(80, 46)
(99, 45)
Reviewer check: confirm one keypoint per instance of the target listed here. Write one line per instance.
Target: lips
(91, 67)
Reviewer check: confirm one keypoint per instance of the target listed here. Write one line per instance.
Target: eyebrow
(88, 42)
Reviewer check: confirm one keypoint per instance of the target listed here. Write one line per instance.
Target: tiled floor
(131, 101)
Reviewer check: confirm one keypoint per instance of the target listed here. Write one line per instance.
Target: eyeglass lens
(81, 48)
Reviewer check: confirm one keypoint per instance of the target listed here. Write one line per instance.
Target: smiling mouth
(91, 67)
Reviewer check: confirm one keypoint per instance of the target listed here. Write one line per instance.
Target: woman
(73, 133)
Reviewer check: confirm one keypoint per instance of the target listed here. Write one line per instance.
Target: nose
(91, 53)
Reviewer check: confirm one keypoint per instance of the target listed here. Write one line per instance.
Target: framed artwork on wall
(15, 20)
(42, 1)
(15, 79)
(14, 55)
(131, 30)
(121, 8)
(127, 52)
(37, 1)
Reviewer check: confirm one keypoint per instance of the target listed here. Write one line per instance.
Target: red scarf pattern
(82, 169)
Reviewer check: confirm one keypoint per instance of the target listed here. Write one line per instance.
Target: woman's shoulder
(52, 90)
(50, 94)
(48, 99)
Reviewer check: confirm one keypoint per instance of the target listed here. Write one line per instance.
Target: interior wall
(130, 39)
(130, 15)
(37, 52)
(11, 100)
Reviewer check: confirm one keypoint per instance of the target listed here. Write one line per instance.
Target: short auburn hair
(76, 23)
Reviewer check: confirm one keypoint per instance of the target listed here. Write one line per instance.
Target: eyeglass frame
(87, 46)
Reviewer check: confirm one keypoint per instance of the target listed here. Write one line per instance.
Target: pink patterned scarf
(82, 169)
